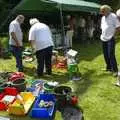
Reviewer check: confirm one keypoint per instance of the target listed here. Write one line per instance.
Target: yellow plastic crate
(21, 109)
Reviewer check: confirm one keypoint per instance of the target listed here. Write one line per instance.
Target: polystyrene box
(42, 112)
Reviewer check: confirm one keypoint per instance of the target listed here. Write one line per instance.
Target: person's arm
(118, 30)
(32, 43)
(32, 39)
(15, 38)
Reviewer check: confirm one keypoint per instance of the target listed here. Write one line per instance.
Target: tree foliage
(6, 7)
(115, 4)
(112, 3)
(3, 9)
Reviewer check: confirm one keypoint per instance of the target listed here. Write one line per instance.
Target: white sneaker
(117, 83)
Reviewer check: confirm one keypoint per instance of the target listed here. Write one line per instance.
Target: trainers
(117, 83)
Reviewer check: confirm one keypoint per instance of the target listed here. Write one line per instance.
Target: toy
(36, 87)
(45, 104)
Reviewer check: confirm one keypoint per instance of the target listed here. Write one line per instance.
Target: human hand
(17, 44)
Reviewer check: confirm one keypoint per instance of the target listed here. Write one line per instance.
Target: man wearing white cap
(109, 25)
(40, 38)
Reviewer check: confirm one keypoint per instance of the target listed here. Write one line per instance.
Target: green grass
(98, 96)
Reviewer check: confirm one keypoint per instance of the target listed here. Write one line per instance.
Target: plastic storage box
(21, 109)
(7, 97)
(43, 112)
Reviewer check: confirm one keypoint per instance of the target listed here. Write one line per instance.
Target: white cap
(33, 21)
(118, 12)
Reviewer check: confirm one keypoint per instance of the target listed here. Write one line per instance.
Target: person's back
(42, 36)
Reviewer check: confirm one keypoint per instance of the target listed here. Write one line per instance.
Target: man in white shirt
(15, 41)
(109, 25)
(40, 38)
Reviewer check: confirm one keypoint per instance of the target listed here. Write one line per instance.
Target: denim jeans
(17, 53)
(109, 55)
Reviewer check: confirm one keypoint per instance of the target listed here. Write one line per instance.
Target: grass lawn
(98, 96)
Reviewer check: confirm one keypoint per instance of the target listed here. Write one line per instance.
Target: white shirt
(108, 26)
(15, 27)
(41, 35)
(81, 22)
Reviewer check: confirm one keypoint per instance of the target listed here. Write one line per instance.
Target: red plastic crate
(7, 91)
(11, 91)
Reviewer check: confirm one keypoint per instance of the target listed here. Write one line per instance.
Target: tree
(112, 3)
(115, 4)
(3, 7)
(6, 6)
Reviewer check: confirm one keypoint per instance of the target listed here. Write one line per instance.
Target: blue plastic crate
(42, 112)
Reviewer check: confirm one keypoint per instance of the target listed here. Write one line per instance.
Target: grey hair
(32, 21)
(20, 17)
(106, 7)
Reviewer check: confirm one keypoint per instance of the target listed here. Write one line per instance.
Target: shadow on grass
(59, 77)
(71, 112)
(30, 71)
(88, 52)
(82, 85)
(96, 80)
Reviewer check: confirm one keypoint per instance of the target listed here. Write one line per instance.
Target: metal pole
(62, 26)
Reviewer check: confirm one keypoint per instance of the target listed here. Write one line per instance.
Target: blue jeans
(109, 55)
(17, 53)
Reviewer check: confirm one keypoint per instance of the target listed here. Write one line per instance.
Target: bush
(4, 42)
